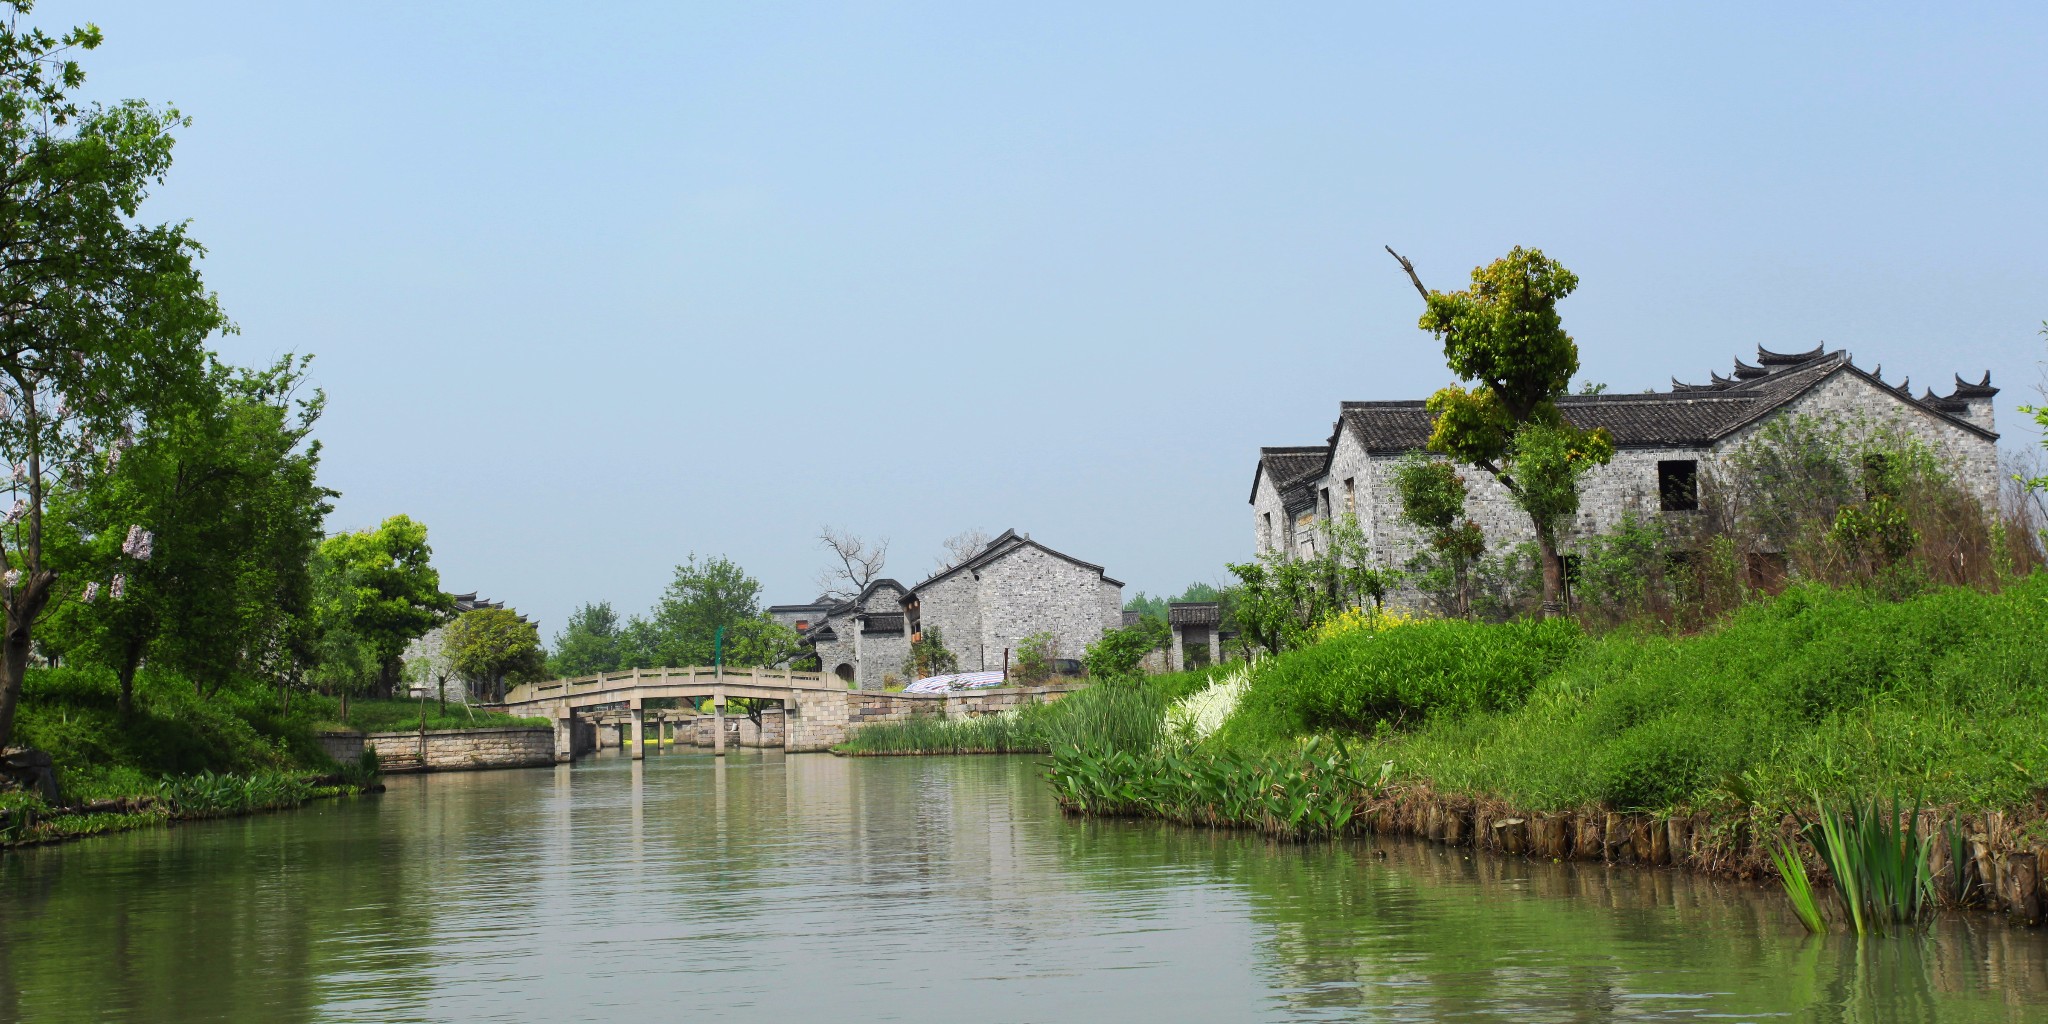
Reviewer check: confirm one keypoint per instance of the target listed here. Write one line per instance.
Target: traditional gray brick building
(862, 641)
(1665, 442)
(1013, 588)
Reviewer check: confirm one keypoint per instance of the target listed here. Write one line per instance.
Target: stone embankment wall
(823, 720)
(861, 709)
(449, 750)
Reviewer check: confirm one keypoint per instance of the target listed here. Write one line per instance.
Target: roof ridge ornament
(1965, 389)
(1766, 357)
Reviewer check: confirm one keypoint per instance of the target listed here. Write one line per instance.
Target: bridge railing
(557, 689)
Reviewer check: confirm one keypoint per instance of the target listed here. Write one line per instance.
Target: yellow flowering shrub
(1355, 620)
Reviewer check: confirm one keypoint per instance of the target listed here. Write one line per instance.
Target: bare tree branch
(859, 563)
(960, 547)
(1410, 268)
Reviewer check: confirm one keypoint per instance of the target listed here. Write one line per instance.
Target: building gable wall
(1269, 519)
(1028, 591)
(953, 605)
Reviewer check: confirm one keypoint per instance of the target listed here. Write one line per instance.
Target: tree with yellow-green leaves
(1503, 336)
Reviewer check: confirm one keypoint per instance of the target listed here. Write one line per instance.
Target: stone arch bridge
(817, 710)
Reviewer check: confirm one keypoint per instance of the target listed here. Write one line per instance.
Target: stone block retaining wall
(447, 750)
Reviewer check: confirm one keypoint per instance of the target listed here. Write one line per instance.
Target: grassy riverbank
(180, 755)
(1633, 745)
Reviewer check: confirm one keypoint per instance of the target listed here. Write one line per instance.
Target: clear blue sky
(591, 289)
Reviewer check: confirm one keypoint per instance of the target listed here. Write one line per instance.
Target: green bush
(1367, 681)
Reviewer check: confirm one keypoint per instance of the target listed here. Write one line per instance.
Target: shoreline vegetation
(1719, 751)
(178, 756)
(1707, 752)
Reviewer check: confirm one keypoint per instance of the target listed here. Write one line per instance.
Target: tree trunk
(1463, 574)
(131, 660)
(1553, 575)
(127, 675)
(13, 665)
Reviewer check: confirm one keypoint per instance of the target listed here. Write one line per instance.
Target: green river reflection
(814, 888)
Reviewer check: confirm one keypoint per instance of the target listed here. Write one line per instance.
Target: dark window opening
(1678, 485)
(844, 672)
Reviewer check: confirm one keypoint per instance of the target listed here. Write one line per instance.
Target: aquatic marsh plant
(1197, 716)
(1315, 791)
(1880, 866)
(1112, 716)
(1798, 886)
(1021, 731)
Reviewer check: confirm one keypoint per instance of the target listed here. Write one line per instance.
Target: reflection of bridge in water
(813, 710)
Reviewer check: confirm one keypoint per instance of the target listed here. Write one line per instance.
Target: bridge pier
(639, 733)
(565, 735)
(718, 725)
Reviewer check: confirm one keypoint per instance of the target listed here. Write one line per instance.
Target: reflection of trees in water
(385, 908)
(1432, 933)
(230, 920)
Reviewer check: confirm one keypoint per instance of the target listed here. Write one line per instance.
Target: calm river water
(815, 888)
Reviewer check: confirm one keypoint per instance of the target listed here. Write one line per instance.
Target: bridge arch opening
(844, 672)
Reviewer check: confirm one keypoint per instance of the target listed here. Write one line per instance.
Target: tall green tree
(392, 590)
(705, 595)
(592, 641)
(487, 644)
(1504, 336)
(102, 314)
(227, 487)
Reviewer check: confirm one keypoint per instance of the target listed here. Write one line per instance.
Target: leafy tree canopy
(1504, 335)
(706, 594)
(592, 641)
(488, 644)
(394, 591)
(103, 316)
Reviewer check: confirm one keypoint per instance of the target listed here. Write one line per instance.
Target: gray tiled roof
(1289, 466)
(1688, 416)
(882, 622)
(1008, 541)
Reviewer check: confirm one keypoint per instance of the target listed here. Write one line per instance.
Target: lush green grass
(1943, 698)
(73, 714)
(404, 714)
(179, 756)
(1369, 681)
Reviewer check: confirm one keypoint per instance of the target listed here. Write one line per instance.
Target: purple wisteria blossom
(92, 592)
(139, 545)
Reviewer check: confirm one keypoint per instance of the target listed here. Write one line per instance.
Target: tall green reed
(1879, 861)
